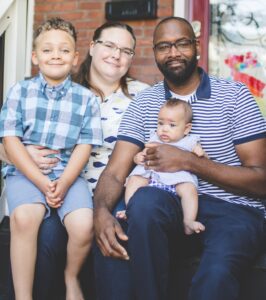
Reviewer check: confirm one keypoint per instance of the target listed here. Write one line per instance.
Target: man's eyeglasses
(180, 45)
(112, 47)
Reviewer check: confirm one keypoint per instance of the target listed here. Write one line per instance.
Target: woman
(105, 72)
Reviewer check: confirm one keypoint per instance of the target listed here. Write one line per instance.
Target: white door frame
(181, 8)
(16, 22)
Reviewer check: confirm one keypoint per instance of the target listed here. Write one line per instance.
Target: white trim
(13, 23)
(181, 8)
(16, 21)
(30, 22)
(4, 6)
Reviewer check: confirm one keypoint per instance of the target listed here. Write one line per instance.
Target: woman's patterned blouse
(112, 110)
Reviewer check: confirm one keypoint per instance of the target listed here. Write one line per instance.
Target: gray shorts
(20, 190)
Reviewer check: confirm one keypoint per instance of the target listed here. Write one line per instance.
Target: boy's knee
(25, 220)
(81, 232)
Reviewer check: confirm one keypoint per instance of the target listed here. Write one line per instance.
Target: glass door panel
(237, 44)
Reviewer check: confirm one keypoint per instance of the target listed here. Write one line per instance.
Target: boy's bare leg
(133, 184)
(24, 225)
(189, 201)
(79, 226)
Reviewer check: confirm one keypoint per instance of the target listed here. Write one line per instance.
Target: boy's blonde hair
(174, 102)
(55, 23)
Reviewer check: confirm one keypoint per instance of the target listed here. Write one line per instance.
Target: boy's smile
(55, 55)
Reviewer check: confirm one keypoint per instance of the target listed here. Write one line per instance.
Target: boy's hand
(48, 188)
(52, 201)
(44, 184)
(57, 191)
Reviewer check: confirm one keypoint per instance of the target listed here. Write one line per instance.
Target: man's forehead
(171, 27)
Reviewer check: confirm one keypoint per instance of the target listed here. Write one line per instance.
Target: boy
(174, 125)
(51, 111)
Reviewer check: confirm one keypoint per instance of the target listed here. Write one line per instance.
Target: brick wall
(86, 15)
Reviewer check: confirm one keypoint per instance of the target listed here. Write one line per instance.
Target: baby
(174, 125)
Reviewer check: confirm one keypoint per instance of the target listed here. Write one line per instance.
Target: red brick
(87, 15)
(94, 5)
(47, 1)
(65, 6)
(44, 7)
(165, 12)
(147, 52)
(94, 14)
(143, 61)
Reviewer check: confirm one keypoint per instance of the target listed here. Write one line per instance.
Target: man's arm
(109, 188)
(248, 179)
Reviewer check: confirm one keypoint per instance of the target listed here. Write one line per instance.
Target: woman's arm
(19, 156)
(3, 156)
(39, 156)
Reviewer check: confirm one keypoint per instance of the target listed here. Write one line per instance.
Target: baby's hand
(199, 151)
(139, 158)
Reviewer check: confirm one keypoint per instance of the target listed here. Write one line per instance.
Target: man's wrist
(188, 162)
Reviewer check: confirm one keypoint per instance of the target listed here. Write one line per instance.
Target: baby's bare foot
(121, 214)
(191, 227)
(73, 290)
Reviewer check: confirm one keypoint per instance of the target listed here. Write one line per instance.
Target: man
(231, 183)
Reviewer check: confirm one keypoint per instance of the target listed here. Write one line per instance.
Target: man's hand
(107, 230)
(39, 155)
(165, 158)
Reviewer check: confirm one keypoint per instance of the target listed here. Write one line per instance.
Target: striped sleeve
(248, 122)
(132, 125)
(141, 115)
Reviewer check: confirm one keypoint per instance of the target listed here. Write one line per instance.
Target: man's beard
(176, 75)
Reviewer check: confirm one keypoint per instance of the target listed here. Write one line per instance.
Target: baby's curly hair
(56, 23)
(174, 102)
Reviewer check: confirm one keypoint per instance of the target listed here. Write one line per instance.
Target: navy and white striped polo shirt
(224, 114)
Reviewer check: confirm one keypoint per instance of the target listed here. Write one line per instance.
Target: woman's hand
(39, 155)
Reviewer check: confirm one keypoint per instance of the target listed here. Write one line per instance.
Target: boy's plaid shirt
(55, 117)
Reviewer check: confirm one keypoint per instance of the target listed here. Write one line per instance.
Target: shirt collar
(60, 89)
(203, 90)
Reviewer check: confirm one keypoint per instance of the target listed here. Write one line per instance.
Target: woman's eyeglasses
(180, 45)
(112, 47)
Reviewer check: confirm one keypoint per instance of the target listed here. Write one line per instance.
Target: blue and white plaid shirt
(57, 117)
